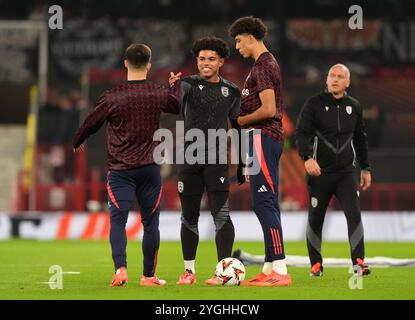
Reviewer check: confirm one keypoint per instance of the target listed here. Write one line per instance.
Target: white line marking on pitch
(71, 272)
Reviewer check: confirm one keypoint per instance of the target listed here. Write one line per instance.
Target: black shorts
(193, 179)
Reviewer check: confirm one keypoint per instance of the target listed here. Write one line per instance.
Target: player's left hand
(365, 180)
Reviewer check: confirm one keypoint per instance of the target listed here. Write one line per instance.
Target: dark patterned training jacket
(132, 112)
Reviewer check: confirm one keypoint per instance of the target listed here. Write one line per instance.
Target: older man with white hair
(331, 140)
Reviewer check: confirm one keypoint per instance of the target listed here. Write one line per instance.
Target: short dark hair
(211, 43)
(138, 55)
(248, 25)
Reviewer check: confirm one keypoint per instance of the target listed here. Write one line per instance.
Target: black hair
(138, 55)
(211, 43)
(248, 25)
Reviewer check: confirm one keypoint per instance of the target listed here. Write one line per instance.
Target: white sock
(280, 267)
(189, 265)
(267, 268)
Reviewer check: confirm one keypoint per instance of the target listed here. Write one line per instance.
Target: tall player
(208, 101)
(261, 108)
(132, 112)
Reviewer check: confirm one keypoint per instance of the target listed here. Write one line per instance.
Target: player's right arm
(304, 134)
(267, 110)
(92, 123)
(268, 78)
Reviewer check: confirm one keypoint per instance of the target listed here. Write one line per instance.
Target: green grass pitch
(25, 265)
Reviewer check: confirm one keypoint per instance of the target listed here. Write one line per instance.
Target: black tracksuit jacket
(332, 132)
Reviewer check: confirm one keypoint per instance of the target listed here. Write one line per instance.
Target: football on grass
(230, 272)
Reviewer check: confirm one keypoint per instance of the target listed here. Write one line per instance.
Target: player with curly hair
(262, 109)
(207, 102)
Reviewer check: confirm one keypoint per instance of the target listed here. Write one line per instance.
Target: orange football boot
(274, 280)
(361, 267)
(120, 278)
(187, 277)
(255, 279)
(152, 281)
(316, 270)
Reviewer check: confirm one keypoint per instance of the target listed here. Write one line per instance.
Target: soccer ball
(230, 272)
